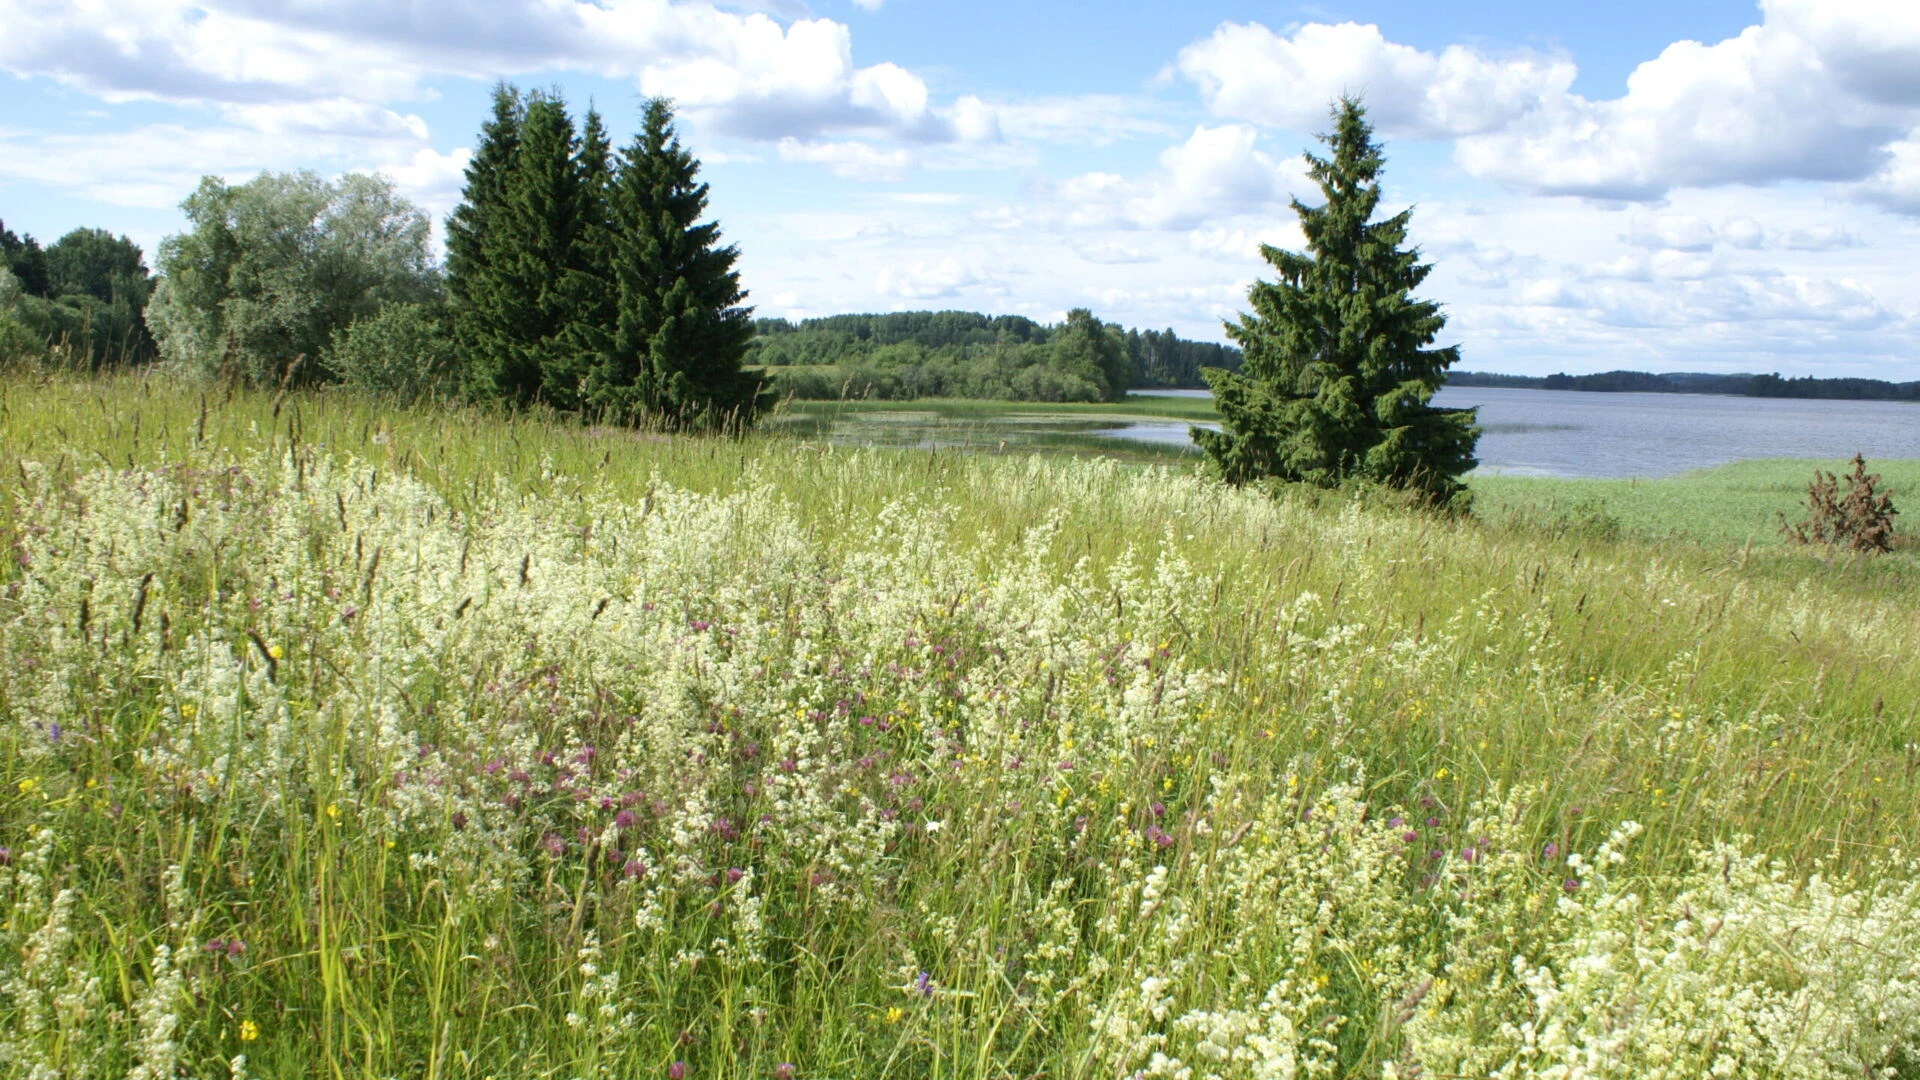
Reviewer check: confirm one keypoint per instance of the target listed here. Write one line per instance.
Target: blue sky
(1671, 186)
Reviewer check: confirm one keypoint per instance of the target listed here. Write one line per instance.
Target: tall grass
(370, 742)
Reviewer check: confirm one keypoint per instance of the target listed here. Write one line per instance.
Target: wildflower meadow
(349, 741)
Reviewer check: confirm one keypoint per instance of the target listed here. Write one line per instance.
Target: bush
(18, 345)
(403, 352)
(1860, 518)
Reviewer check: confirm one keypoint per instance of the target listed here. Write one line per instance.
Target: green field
(368, 742)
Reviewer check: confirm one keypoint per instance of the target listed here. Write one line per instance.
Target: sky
(1682, 185)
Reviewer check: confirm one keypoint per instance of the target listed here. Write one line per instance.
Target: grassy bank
(1731, 505)
(368, 742)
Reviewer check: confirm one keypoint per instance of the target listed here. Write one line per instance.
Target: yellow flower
(28, 785)
(894, 1013)
(333, 811)
(1442, 774)
(276, 651)
(189, 710)
(249, 1031)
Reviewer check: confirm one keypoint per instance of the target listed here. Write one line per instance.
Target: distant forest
(1691, 382)
(915, 354)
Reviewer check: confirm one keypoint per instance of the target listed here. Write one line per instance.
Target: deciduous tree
(271, 268)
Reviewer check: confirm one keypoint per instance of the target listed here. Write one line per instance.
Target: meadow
(344, 740)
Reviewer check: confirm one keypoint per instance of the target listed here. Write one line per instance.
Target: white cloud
(1081, 120)
(849, 160)
(1743, 279)
(1897, 185)
(1743, 232)
(1817, 91)
(171, 159)
(1217, 173)
(1248, 72)
(1112, 254)
(746, 73)
(946, 277)
(754, 78)
(1680, 232)
(1817, 238)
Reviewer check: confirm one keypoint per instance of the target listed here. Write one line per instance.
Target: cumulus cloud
(1896, 186)
(745, 72)
(1248, 72)
(1216, 173)
(1816, 91)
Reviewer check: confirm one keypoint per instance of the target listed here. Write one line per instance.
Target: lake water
(1574, 433)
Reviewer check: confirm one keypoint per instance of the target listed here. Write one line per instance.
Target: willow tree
(1339, 374)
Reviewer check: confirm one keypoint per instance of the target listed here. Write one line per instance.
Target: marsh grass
(1733, 504)
(366, 689)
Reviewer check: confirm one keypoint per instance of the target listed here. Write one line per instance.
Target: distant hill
(1695, 382)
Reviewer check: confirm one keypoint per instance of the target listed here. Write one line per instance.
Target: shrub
(402, 352)
(17, 342)
(1858, 518)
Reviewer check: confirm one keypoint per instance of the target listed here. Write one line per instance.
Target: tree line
(82, 297)
(914, 354)
(576, 278)
(1694, 382)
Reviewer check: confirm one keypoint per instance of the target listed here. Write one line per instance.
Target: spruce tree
(1338, 379)
(470, 225)
(590, 288)
(535, 257)
(680, 332)
(524, 253)
(475, 230)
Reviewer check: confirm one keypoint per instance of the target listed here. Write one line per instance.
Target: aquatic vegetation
(309, 758)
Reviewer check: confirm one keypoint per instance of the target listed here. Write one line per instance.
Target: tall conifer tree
(529, 355)
(680, 332)
(472, 287)
(480, 204)
(1338, 379)
(591, 290)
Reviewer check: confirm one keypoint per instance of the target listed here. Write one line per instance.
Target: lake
(1584, 434)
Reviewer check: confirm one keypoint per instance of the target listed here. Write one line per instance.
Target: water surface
(1576, 433)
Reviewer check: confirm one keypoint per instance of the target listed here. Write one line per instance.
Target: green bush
(18, 344)
(402, 352)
